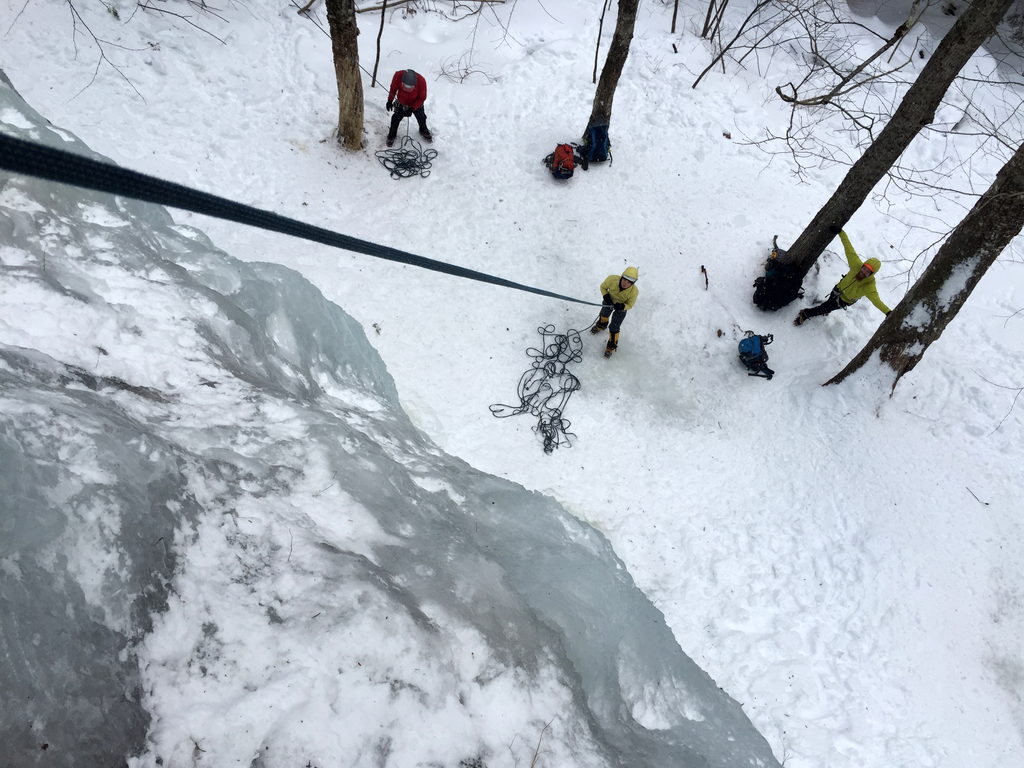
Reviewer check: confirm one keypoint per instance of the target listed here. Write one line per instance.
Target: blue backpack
(754, 356)
(597, 147)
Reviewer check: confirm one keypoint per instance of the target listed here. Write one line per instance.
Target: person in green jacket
(618, 295)
(856, 284)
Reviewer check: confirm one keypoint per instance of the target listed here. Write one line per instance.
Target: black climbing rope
(407, 159)
(32, 159)
(545, 389)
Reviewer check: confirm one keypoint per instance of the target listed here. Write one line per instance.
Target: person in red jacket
(407, 94)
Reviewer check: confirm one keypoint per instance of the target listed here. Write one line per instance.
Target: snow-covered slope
(168, 411)
(844, 564)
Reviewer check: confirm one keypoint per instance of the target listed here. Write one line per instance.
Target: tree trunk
(713, 20)
(976, 24)
(934, 300)
(601, 113)
(341, 16)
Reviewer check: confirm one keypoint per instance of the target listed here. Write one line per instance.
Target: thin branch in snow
(1008, 319)
(985, 503)
(1018, 391)
(17, 16)
(187, 19)
(536, 751)
(77, 19)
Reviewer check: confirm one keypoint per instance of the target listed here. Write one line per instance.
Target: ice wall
(222, 541)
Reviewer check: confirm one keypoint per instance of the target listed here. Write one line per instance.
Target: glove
(834, 229)
(619, 306)
(389, 106)
(607, 299)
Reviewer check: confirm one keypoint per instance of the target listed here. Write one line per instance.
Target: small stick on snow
(975, 497)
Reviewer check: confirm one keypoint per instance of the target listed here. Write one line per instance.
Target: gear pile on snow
(780, 284)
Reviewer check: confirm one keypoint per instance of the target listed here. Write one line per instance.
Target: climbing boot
(390, 141)
(801, 318)
(426, 134)
(612, 345)
(600, 325)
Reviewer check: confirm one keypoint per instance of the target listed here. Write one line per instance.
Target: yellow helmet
(631, 274)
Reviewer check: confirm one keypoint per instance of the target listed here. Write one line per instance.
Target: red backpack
(562, 161)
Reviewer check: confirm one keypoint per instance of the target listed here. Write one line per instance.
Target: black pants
(831, 304)
(402, 112)
(617, 317)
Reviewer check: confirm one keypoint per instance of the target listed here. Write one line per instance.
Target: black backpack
(754, 356)
(780, 284)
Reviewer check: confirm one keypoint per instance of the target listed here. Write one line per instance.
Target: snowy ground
(844, 564)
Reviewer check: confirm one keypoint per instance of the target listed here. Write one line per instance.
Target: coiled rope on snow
(544, 390)
(407, 159)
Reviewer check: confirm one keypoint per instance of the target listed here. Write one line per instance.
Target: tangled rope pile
(545, 389)
(407, 159)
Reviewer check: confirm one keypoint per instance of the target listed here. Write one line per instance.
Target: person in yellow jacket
(618, 295)
(856, 284)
